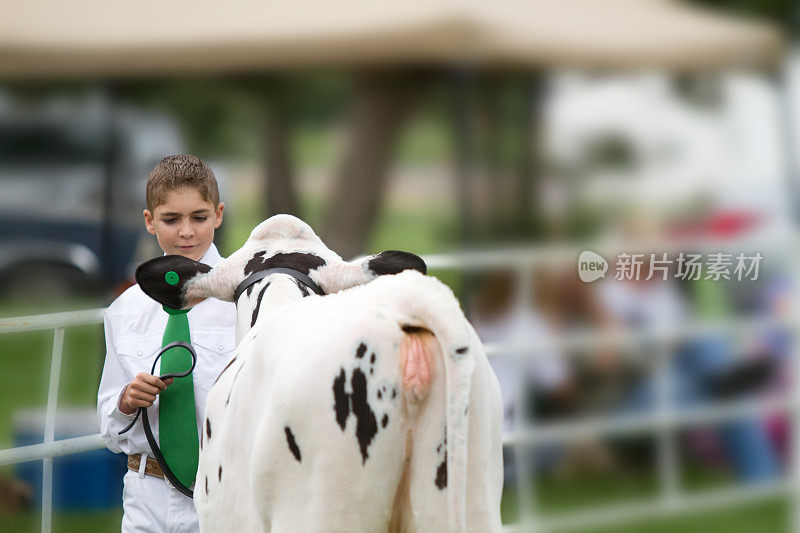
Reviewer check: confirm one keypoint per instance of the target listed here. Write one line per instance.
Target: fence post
(795, 384)
(523, 418)
(49, 429)
(665, 411)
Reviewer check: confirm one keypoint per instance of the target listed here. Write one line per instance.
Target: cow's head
(282, 241)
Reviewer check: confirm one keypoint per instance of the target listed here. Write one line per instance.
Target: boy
(183, 210)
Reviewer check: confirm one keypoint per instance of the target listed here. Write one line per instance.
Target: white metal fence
(51, 448)
(663, 422)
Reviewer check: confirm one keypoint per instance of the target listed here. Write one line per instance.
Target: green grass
(25, 359)
(565, 497)
(63, 522)
(771, 516)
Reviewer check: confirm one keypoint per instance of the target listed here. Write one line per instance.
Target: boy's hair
(176, 171)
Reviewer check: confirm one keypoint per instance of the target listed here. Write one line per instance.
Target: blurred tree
(497, 148)
(381, 103)
(276, 104)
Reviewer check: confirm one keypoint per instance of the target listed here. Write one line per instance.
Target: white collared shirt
(134, 327)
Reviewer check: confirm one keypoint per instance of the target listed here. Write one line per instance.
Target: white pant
(151, 506)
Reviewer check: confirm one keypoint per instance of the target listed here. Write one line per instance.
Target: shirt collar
(211, 257)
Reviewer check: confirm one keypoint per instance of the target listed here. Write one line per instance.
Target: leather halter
(261, 274)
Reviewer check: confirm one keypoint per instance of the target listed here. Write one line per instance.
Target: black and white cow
(372, 408)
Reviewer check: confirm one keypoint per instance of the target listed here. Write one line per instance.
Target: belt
(151, 467)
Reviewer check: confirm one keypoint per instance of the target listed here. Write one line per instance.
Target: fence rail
(663, 423)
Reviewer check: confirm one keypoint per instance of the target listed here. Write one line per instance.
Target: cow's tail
(431, 305)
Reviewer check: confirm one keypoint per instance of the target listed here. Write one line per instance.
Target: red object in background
(720, 225)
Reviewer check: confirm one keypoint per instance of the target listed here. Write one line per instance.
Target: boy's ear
(167, 279)
(148, 221)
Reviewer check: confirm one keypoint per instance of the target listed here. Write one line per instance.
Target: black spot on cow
(361, 350)
(208, 428)
(384, 420)
(255, 263)
(372, 358)
(394, 262)
(443, 444)
(220, 473)
(371, 371)
(258, 305)
(367, 425)
(206, 484)
(302, 286)
(302, 262)
(394, 392)
(341, 400)
(462, 350)
(253, 266)
(292, 444)
(441, 474)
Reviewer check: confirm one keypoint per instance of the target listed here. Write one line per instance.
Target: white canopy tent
(96, 38)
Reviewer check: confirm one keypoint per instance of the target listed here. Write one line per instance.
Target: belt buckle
(169, 484)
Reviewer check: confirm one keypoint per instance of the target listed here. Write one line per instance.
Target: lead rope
(170, 476)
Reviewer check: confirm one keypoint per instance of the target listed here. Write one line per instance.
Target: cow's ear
(171, 280)
(335, 277)
(394, 262)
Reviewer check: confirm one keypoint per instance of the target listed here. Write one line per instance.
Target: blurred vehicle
(72, 178)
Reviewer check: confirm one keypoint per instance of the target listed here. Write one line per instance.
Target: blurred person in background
(704, 367)
(537, 380)
(774, 344)
(500, 318)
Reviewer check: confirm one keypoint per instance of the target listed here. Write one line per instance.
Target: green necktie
(177, 425)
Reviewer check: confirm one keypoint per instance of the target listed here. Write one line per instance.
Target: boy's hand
(141, 392)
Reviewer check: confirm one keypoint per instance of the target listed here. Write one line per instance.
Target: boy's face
(185, 223)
